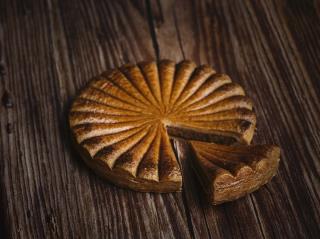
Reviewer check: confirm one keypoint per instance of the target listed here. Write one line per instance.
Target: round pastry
(123, 120)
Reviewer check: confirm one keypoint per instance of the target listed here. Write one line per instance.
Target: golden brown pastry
(229, 172)
(122, 120)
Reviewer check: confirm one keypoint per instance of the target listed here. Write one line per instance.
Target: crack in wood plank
(152, 29)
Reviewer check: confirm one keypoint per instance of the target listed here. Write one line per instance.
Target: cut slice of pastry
(229, 172)
(122, 120)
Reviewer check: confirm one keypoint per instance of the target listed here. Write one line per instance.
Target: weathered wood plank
(49, 193)
(252, 43)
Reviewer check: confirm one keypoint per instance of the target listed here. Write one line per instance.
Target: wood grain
(50, 49)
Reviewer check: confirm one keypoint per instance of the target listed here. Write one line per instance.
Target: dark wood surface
(50, 48)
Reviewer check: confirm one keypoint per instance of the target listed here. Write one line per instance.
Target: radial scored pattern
(229, 172)
(123, 119)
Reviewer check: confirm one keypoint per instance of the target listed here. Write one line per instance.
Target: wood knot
(7, 100)
(3, 71)
(9, 128)
(51, 222)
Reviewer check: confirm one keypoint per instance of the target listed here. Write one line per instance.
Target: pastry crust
(229, 172)
(122, 120)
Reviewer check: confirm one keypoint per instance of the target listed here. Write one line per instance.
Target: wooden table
(50, 48)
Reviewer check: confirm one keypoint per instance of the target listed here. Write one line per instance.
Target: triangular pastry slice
(122, 120)
(229, 172)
